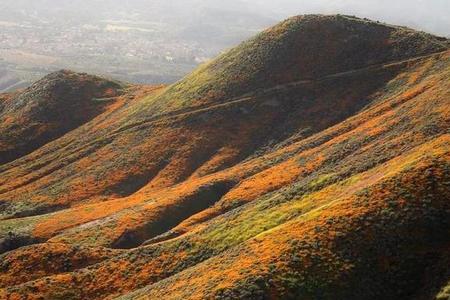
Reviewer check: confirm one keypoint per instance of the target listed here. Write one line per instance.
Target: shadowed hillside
(302, 48)
(310, 162)
(54, 105)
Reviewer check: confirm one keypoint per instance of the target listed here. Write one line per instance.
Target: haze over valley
(187, 149)
(149, 41)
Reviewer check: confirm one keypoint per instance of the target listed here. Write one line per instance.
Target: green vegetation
(311, 162)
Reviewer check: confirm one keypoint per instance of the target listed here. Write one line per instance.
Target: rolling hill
(49, 108)
(310, 162)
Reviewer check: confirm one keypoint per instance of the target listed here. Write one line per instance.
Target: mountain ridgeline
(309, 162)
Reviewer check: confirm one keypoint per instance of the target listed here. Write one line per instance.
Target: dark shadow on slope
(14, 241)
(15, 210)
(132, 184)
(172, 215)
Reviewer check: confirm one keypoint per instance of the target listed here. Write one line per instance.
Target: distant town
(150, 41)
(138, 47)
(132, 52)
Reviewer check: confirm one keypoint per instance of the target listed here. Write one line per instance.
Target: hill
(301, 48)
(51, 107)
(310, 162)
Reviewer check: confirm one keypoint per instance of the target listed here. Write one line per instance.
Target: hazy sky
(428, 15)
(162, 40)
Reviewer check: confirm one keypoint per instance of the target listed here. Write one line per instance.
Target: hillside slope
(311, 162)
(56, 104)
(301, 48)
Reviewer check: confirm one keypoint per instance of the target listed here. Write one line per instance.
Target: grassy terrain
(284, 169)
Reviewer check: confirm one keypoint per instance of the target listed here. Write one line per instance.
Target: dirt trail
(258, 93)
(84, 149)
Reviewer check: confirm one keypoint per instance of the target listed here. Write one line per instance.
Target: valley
(311, 161)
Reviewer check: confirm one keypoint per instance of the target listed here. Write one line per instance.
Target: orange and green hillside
(310, 162)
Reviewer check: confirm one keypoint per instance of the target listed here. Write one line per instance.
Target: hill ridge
(374, 42)
(240, 99)
(300, 189)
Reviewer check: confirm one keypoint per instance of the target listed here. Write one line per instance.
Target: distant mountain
(309, 162)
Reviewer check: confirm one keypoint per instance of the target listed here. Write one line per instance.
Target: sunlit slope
(386, 238)
(332, 187)
(301, 48)
(149, 148)
(363, 179)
